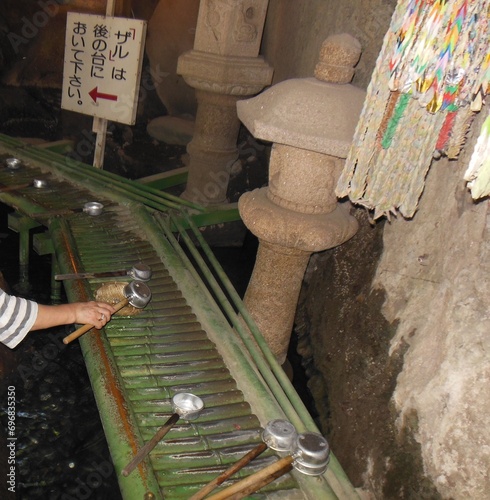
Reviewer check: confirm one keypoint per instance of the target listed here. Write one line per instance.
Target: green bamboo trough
(195, 336)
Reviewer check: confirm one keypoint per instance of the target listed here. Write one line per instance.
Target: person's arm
(19, 316)
(87, 313)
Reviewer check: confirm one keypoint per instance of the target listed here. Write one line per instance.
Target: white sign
(102, 69)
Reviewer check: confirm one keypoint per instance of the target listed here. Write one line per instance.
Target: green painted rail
(194, 336)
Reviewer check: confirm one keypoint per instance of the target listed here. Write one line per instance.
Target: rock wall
(393, 329)
(393, 325)
(435, 273)
(294, 32)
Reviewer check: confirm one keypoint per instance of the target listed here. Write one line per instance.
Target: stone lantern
(311, 123)
(223, 67)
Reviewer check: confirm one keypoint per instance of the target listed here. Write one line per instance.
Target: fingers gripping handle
(85, 328)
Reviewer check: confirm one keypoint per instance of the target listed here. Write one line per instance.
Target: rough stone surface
(298, 213)
(343, 339)
(394, 333)
(290, 229)
(36, 36)
(305, 113)
(425, 323)
(395, 350)
(222, 74)
(277, 269)
(436, 275)
(338, 56)
(231, 27)
(315, 194)
(212, 150)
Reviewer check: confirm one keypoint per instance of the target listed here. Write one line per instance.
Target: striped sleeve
(17, 316)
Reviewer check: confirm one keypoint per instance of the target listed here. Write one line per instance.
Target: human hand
(93, 313)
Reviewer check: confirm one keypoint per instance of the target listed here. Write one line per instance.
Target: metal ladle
(93, 208)
(136, 293)
(13, 163)
(278, 435)
(309, 455)
(186, 406)
(139, 271)
(37, 183)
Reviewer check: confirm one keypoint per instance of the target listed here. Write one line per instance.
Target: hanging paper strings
(431, 76)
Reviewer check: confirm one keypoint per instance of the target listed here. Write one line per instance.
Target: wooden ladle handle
(260, 483)
(5, 189)
(145, 450)
(256, 481)
(233, 469)
(85, 328)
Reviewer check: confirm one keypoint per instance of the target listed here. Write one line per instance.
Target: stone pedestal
(213, 147)
(278, 268)
(311, 123)
(223, 67)
(296, 215)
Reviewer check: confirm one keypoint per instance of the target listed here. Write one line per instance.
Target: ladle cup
(92, 208)
(136, 293)
(279, 435)
(13, 163)
(39, 183)
(139, 271)
(186, 406)
(309, 455)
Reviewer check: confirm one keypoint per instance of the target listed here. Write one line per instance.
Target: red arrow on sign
(95, 94)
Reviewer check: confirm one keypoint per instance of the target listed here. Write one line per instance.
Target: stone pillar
(311, 122)
(223, 67)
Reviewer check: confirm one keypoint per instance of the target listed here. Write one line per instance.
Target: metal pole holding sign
(102, 70)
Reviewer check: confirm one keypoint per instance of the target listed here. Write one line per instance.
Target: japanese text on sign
(102, 68)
